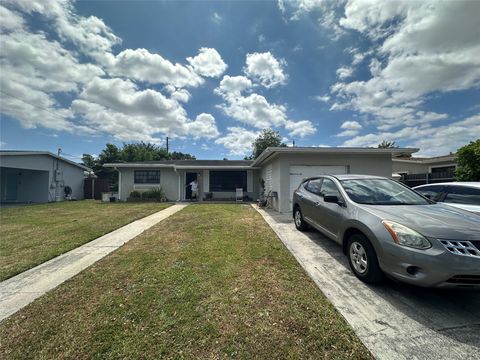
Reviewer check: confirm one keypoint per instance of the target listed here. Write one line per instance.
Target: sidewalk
(20, 290)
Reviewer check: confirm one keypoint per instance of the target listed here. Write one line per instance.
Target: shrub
(135, 194)
(155, 193)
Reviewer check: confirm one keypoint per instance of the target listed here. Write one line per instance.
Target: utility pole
(167, 144)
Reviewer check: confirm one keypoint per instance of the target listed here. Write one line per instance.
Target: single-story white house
(414, 165)
(38, 177)
(415, 171)
(277, 171)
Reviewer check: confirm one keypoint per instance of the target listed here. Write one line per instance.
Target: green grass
(31, 235)
(211, 281)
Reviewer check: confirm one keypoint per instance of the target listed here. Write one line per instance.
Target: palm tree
(385, 144)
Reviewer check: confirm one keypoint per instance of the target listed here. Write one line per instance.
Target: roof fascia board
(180, 167)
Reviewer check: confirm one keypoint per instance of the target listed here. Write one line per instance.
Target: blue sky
(211, 75)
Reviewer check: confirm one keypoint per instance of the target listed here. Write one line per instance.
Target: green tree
(89, 161)
(385, 144)
(468, 162)
(177, 155)
(133, 152)
(268, 138)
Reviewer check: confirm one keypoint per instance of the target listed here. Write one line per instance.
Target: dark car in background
(386, 228)
(463, 195)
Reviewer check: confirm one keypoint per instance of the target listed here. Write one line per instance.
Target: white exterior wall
(365, 164)
(168, 182)
(43, 187)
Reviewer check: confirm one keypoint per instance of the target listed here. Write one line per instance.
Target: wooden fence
(93, 188)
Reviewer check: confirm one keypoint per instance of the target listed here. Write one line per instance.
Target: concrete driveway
(394, 321)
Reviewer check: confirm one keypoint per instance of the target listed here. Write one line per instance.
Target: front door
(11, 186)
(189, 177)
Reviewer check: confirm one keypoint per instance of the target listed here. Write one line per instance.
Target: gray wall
(42, 187)
(367, 164)
(168, 182)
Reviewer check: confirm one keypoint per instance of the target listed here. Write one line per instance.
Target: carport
(23, 185)
(38, 177)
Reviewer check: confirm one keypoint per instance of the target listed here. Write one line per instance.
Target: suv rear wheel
(300, 224)
(363, 260)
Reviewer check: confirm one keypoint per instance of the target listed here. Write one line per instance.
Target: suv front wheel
(363, 260)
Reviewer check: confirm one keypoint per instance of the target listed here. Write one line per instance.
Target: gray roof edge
(48, 153)
(326, 150)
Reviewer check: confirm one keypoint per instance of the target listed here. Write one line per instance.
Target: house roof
(266, 154)
(271, 152)
(422, 160)
(48, 153)
(187, 164)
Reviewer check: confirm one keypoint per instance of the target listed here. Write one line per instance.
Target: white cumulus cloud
(266, 69)
(238, 140)
(208, 63)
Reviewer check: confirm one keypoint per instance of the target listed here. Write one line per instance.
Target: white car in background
(463, 195)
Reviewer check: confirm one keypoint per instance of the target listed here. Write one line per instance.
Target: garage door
(300, 172)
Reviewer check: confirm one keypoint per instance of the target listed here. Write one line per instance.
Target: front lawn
(31, 235)
(211, 281)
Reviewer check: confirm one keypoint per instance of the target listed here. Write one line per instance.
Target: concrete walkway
(19, 291)
(393, 320)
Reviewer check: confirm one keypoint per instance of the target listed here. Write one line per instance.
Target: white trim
(206, 181)
(249, 181)
(119, 185)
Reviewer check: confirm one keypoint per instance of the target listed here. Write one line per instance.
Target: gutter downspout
(179, 183)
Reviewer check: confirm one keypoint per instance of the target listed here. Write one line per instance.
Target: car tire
(363, 259)
(300, 223)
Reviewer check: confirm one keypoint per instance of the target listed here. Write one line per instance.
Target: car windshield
(381, 192)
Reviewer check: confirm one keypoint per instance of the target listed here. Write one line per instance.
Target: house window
(147, 177)
(228, 180)
(443, 169)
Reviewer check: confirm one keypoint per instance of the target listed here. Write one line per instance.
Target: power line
(34, 105)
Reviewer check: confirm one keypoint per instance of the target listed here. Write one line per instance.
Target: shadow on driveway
(452, 312)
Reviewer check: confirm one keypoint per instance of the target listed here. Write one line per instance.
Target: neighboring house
(38, 177)
(419, 171)
(281, 170)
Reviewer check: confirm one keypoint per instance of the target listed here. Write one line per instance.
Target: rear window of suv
(463, 195)
(433, 192)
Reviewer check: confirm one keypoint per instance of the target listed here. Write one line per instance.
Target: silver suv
(386, 228)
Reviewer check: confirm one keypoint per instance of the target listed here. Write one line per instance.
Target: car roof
(474, 184)
(346, 177)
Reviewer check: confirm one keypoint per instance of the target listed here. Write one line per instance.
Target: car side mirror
(333, 199)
